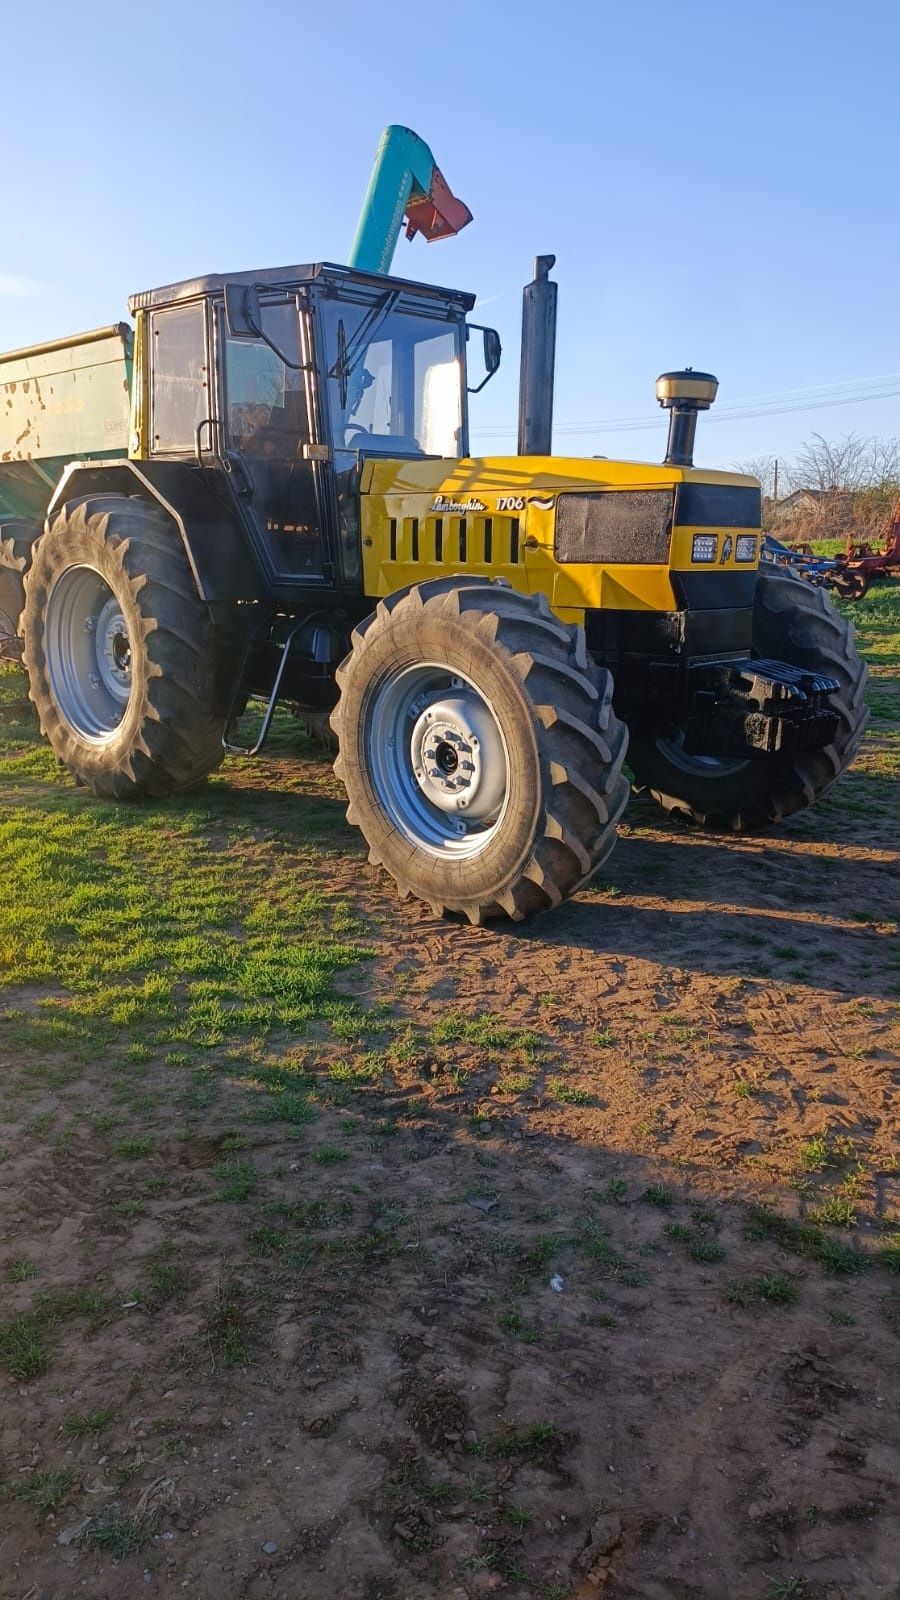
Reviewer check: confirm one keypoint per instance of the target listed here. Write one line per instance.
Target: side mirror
(242, 313)
(492, 353)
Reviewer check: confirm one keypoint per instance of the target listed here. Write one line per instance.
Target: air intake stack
(683, 394)
(538, 361)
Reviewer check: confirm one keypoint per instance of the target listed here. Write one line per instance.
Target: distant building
(815, 505)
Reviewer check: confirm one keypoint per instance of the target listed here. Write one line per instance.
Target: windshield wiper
(350, 355)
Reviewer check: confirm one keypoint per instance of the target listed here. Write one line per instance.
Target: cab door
(269, 421)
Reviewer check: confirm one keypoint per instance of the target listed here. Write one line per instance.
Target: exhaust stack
(538, 361)
(683, 394)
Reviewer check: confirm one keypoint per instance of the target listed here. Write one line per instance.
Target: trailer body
(68, 399)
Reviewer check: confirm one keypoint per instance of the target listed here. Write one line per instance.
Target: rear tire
(479, 749)
(17, 538)
(794, 622)
(119, 651)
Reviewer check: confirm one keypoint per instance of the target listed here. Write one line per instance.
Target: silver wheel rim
(88, 654)
(695, 765)
(437, 759)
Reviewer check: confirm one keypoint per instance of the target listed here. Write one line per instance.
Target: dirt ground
(568, 1274)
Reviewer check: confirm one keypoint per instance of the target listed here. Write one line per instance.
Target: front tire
(794, 622)
(119, 651)
(479, 749)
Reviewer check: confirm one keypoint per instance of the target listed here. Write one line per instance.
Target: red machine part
(437, 214)
(859, 564)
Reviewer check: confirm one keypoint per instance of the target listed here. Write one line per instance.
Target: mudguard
(215, 542)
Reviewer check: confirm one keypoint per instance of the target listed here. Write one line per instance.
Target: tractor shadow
(782, 907)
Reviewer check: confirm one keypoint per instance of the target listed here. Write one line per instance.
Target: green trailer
(66, 400)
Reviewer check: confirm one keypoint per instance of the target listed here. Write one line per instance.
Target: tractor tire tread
(171, 735)
(580, 742)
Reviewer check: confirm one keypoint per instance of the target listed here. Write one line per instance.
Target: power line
(739, 411)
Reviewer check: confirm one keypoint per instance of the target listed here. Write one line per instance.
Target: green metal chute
(405, 182)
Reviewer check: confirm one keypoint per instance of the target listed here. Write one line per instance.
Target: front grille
(475, 543)
(616, 525)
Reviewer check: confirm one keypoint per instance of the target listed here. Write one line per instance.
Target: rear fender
(219, 555)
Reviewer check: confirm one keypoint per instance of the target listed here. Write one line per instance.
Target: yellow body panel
(495, 516)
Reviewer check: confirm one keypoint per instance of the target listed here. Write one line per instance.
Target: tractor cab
(285, 378)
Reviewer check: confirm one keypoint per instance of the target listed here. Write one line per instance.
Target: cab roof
(323, 272)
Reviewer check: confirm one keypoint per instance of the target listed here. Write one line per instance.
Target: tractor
(263, 488)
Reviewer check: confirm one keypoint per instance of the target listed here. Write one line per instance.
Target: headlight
(745, 548)
(705, 547)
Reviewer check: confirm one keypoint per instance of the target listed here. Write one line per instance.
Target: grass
(237, 1178)
(705, 1251)
(767, 1289)
(889, 1254)
(136, 1149)
(20, 1270)
(83, 1424)
(566, 1094)
(115, 1533)
(230, 1332)
(805, 1239)
(113, 908)
(486, 1032)
(532, 1443)
(837, 1211)
(328, 1155)
(25, 1349)
(26, 1340)
(45, 1491)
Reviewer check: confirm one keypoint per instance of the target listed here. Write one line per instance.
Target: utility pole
(775, 485)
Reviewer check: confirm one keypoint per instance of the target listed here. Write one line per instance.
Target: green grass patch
(115, 1533)
(328, 1154)
(532, 1443)
(567, 1094)
(86, 1424)
(45, 1491)
(838, 1211)
(134, 1149)
(767, 1289)
(805, 1239)
(238, 1178)
(20, 1270)
(487, 1032)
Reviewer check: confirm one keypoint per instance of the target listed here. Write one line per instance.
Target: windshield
(400, 391)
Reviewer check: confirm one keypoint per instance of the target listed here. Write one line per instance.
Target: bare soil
(504, 1318)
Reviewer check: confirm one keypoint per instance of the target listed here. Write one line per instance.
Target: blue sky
(719, 183)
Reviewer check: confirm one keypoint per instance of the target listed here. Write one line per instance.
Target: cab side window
(180, 377)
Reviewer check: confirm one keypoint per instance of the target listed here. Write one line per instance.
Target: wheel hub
(457, 756)
(113, 649)
(437, 760)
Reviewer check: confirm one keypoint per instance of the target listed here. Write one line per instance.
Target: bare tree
(827, 465)
(884, 465)
(763, 468)
(850, 483)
